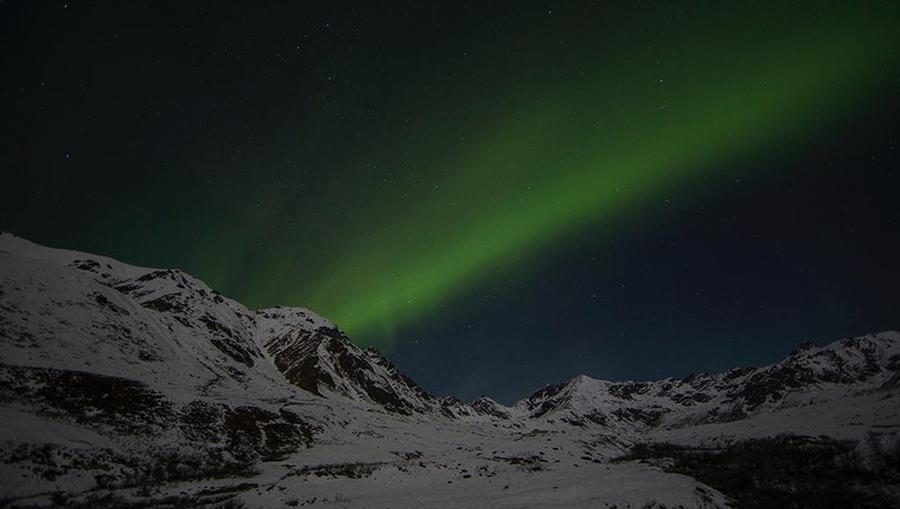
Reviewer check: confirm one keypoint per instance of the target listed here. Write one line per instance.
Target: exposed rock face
(322, 360)
(487, 406)
(867, 363)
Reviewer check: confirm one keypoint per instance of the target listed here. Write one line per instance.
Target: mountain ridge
(103, 267)
(114, 377)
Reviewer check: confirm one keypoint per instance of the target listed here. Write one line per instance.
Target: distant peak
(804, 346)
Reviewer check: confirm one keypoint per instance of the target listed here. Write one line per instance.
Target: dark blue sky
(805, 250)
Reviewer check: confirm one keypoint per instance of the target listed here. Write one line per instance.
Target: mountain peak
(320, 358)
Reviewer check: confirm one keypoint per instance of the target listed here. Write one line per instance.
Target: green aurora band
(633, 125)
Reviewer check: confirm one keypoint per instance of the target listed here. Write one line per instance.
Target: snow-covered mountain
(122, 385)
(811, 375)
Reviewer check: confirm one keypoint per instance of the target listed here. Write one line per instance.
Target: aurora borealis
(591, 152)
(410, 172)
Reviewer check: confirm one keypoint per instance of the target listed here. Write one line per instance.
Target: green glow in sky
(631, 128)
(475, 176)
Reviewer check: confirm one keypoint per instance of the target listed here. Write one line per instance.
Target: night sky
(496, 195)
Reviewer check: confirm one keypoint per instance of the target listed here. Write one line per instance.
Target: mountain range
(123, 386)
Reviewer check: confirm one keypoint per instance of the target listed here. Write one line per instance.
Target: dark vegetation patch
(202, 439)
(535, 433)
(219, 442)
(113, 501)
(346, 470)
(244, 429)
(247, 433)
(414, 455)
(787, 471)
(530, 463)
(48, 462)
(127, 406)
(113, 470)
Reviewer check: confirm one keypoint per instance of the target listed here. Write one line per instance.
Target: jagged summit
(157, 310)
(870, 362)
(321, 359)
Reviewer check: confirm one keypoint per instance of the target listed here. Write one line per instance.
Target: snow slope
(134, 384)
